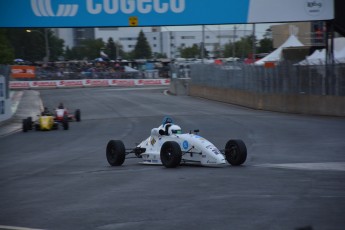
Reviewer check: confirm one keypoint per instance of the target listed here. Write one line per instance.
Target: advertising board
(107, 13)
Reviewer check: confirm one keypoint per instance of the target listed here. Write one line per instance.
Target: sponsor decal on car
(185, 144)
(153, 141)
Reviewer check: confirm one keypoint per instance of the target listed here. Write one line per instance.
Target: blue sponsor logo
(185, 144)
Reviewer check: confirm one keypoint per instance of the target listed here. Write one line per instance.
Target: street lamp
(45, 35)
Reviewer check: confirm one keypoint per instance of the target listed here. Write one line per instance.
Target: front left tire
(171, 154)
(116, 152)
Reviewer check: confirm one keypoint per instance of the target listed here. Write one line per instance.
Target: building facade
(165, 41)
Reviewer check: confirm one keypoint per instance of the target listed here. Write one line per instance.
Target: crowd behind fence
(284, 78)
(73, 70)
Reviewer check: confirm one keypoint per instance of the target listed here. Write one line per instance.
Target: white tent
(316, 58)
(339, 56)
(130, 69)
(319, 56)
(275, 56)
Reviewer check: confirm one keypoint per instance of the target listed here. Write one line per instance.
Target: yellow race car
(44, 123)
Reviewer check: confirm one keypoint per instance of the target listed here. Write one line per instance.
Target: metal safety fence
(284, 78)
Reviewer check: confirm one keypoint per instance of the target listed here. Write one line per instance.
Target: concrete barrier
(179, 86)
(301, 104)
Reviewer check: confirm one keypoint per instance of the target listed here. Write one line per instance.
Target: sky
(260, 29)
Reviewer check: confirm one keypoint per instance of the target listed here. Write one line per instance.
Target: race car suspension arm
(189, 151)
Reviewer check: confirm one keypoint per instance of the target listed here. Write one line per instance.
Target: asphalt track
(294, 176)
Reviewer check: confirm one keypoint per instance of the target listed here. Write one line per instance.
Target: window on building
(187, 37)
(108, 28)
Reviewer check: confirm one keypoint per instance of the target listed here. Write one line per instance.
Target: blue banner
(103, 13)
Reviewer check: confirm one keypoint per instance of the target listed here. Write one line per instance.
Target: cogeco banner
(103, 13)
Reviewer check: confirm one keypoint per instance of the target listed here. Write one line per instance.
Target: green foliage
(190, 52)
(240, 48)
(56, 47)
(114, 50)
(142, 48)
(30, 46)
(7, 52)
(92, 47)
(110, 49)
(159, 55)
(265, 45)
(88, 50)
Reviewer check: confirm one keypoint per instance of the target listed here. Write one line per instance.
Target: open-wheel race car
(44, 122)
(168, 146)
(62, 113)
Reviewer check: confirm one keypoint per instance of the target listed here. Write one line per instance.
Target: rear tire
(171, 154)
(77, 115)
(29, 121)
(235, 152)
(25, 125)
(65, 123)
(116, 152)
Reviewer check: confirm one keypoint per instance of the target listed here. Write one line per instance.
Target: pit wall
(300, 104)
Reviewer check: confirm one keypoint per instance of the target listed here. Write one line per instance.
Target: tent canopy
(275, 56)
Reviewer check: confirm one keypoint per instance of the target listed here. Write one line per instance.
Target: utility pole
(203, 44)
(254, 45)
(233, 41)
(46, 46)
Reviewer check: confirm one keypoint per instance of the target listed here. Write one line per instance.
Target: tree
(90, 48)
(30, 46)
(7, 52)
(110, 49)
(56, 47)
(190, 52)
(240, 48)
(114, 49)
(266, 44)
(142, 48)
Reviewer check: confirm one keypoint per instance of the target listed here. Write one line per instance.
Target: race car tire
(77, 115)
(29, 121)
(116, 152)
(171, 154)
(65, 123)
(235, 152)
(25, 125)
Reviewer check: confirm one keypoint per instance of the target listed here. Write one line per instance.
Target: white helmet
(174, 129)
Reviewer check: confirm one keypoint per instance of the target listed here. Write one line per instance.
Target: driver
(46, 112)
(169, 127)
(61, 106)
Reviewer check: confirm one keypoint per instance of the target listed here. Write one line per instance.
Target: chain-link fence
(284, 78)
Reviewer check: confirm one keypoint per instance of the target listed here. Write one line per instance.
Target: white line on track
(327, 166)
(4, 227)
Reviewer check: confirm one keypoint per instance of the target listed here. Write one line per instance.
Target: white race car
(169, 147)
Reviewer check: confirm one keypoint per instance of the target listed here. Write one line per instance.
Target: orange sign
(133, 21)
(22, 71)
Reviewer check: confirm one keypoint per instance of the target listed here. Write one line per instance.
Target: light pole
(45, 35)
